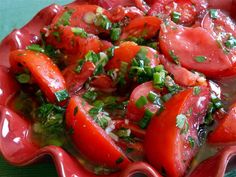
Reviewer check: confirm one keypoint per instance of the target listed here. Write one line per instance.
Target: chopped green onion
(180, 120)
(216, 101)
(110, 52)
(143, 123)
(174, 57)
(213, 13)
(123, 133)
(102, 21)
(166, 97)
(159, 68)
(115, 34)
(35, 47)
(152, 96)
(159, 79)
(231, 42)
(23, 78)
(98, 103)
(65, 18)
(61, 95)
(90, 95)
(200, 59)
(91, 56)
(175, 16)
(141, 102)
(79, 32)
(196, 90)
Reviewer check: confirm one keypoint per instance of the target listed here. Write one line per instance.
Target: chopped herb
(174, 57)
(191, 141)
(216, 101)
(152, 96)
(196, 90)
(79, 32)
(90, 95)
(180, 120)
(102, 21)
(166, 97)
(115, 34)
(76, 110)
(120, 160)
(61, 95)
(213, 13)
(35, 47)
(110, 52)
(159, 79)
(200, 59)
(141, 102)
(171, 85)
(175, 16)
(143, 123)
(123, 133)
(23, 78)
(91, 56)
(65, 18)
(231, 42)
(56, 34)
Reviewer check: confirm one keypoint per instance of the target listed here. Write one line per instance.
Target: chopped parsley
(35, 47)
(196, 90)
(191, 141)
(65, 18)
(61, 95)
(115, 34)
(231, 42)
(175, 16)
(180, 120)
(174, 57)
(213, 13)
(90, 95)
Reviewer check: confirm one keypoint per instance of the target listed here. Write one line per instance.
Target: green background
(14, 14)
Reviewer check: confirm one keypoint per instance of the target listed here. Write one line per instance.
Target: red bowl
(16, 144)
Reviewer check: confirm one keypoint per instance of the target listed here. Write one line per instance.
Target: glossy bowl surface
(16, 144)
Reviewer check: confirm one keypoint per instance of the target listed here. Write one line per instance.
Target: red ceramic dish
(16, 144)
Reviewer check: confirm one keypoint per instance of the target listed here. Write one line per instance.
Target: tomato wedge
(182, 76)
(145, 27)
(90, 139)
(194, 48)
(133, 112)
(126, 52)
(171, 139)
(225, 131)
(75, 81)
(81, 16)
(46, 74)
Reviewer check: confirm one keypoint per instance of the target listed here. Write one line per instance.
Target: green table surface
(10, 19)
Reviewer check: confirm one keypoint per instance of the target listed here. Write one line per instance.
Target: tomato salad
(119, 82)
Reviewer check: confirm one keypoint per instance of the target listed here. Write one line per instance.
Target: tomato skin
(75, 81)
(181, 75)
(46, 74)
(187, 45)
(225, 132)
(145, 27)
(90, 139)
(74, 46)
(133, 112)
(164, 144)
(103, 83)
(126, 52)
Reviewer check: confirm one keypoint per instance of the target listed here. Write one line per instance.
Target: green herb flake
(65, 18)
(180, 121)
(196, 90)
(79, 32)
(90, 95)
(231, 42)
(174, 57)
(76, 110)
(141, 102)
(200, 59)
(214, 13)
(61, 95)
(191, 141)
(119, 160)
(56, 34)
(143, 123)
(23, 78)
(175, 16)
(102, 21)
(35, 47)
(152, 96)
(115, 34)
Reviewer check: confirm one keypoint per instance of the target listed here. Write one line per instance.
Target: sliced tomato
(225, 131)
(182, 76)
(171, 139)
(46, 74)
(74, 80)
(109, 4)
(74, 46)
(133, 112)
(145, 27)
(126, 52)
(105, 45)
(80, 16)
(90, 139)
(103, 83)
(194, 48)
